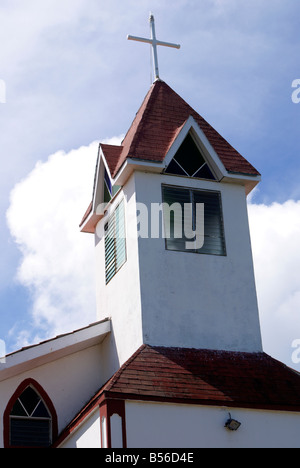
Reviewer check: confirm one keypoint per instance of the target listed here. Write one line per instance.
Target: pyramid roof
(157, 123)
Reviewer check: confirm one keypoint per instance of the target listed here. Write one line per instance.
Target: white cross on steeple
(154, 42)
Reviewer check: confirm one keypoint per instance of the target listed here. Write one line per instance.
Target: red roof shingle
(158, 121)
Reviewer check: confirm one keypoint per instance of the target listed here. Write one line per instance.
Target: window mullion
(193, 207)
(201, 167)
(35, 409)
(28, 415)
(182, 167)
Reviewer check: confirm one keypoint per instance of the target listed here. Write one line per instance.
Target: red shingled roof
(200, 377)
(157, 123)
(112, 155)
(207, 377)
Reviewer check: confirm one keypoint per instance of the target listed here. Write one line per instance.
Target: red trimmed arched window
(30, 418)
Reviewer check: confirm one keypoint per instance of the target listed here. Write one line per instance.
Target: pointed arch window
(30, 418)
(189, 161)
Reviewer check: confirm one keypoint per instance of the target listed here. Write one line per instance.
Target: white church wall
(88, 435)
(120, 298)
(153, 425)
(194, 300)
(69, 382)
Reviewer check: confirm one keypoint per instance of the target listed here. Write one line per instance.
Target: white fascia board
(131, 165)
(53, 349)
(97, 171)
(99, 177)
(79, 426)
(249, 182)
(98, 193)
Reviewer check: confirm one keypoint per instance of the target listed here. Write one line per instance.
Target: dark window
(30, 421)
(193, 221)
(109, 189)
(189, 161)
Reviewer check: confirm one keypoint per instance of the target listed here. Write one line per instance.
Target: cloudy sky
(69, 79)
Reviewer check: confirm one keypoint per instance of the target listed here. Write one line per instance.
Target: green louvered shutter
(115, 242)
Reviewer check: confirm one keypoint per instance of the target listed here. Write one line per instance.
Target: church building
(175, 358)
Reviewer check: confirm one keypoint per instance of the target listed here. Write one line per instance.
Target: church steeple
(158, 130)
(194, 289)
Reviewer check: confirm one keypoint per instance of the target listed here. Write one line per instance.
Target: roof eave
(61, 346)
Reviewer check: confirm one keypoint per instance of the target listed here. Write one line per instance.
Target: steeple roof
(159, 120)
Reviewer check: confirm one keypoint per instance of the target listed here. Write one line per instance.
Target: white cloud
(275, 232)
(57, 260)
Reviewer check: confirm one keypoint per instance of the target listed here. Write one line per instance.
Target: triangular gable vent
(189, 161)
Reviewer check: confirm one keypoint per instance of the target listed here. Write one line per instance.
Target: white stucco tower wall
(180, 299)
(120, 299)
(196, 300)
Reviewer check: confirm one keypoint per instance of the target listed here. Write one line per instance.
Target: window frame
(53, 426)
(167, 171)
(191, 191)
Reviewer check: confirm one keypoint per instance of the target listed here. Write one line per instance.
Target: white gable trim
(99, 181)
(53, 349)
(204, 145)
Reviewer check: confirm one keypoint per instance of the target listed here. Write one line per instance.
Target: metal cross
(154, 42)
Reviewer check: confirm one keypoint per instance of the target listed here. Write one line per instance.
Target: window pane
(204, 173)
(174, 168)
(18, 410)
(189, 161)
(41, 411)
(175, 199)
(29, 399)
(189, 156)
(107, 195)
(214, 241)
(108, 182)
(29, 433)
(183, 220)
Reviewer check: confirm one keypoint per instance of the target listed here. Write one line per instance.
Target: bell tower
(169, 215)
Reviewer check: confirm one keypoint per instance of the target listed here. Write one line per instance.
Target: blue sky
(72, 79)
